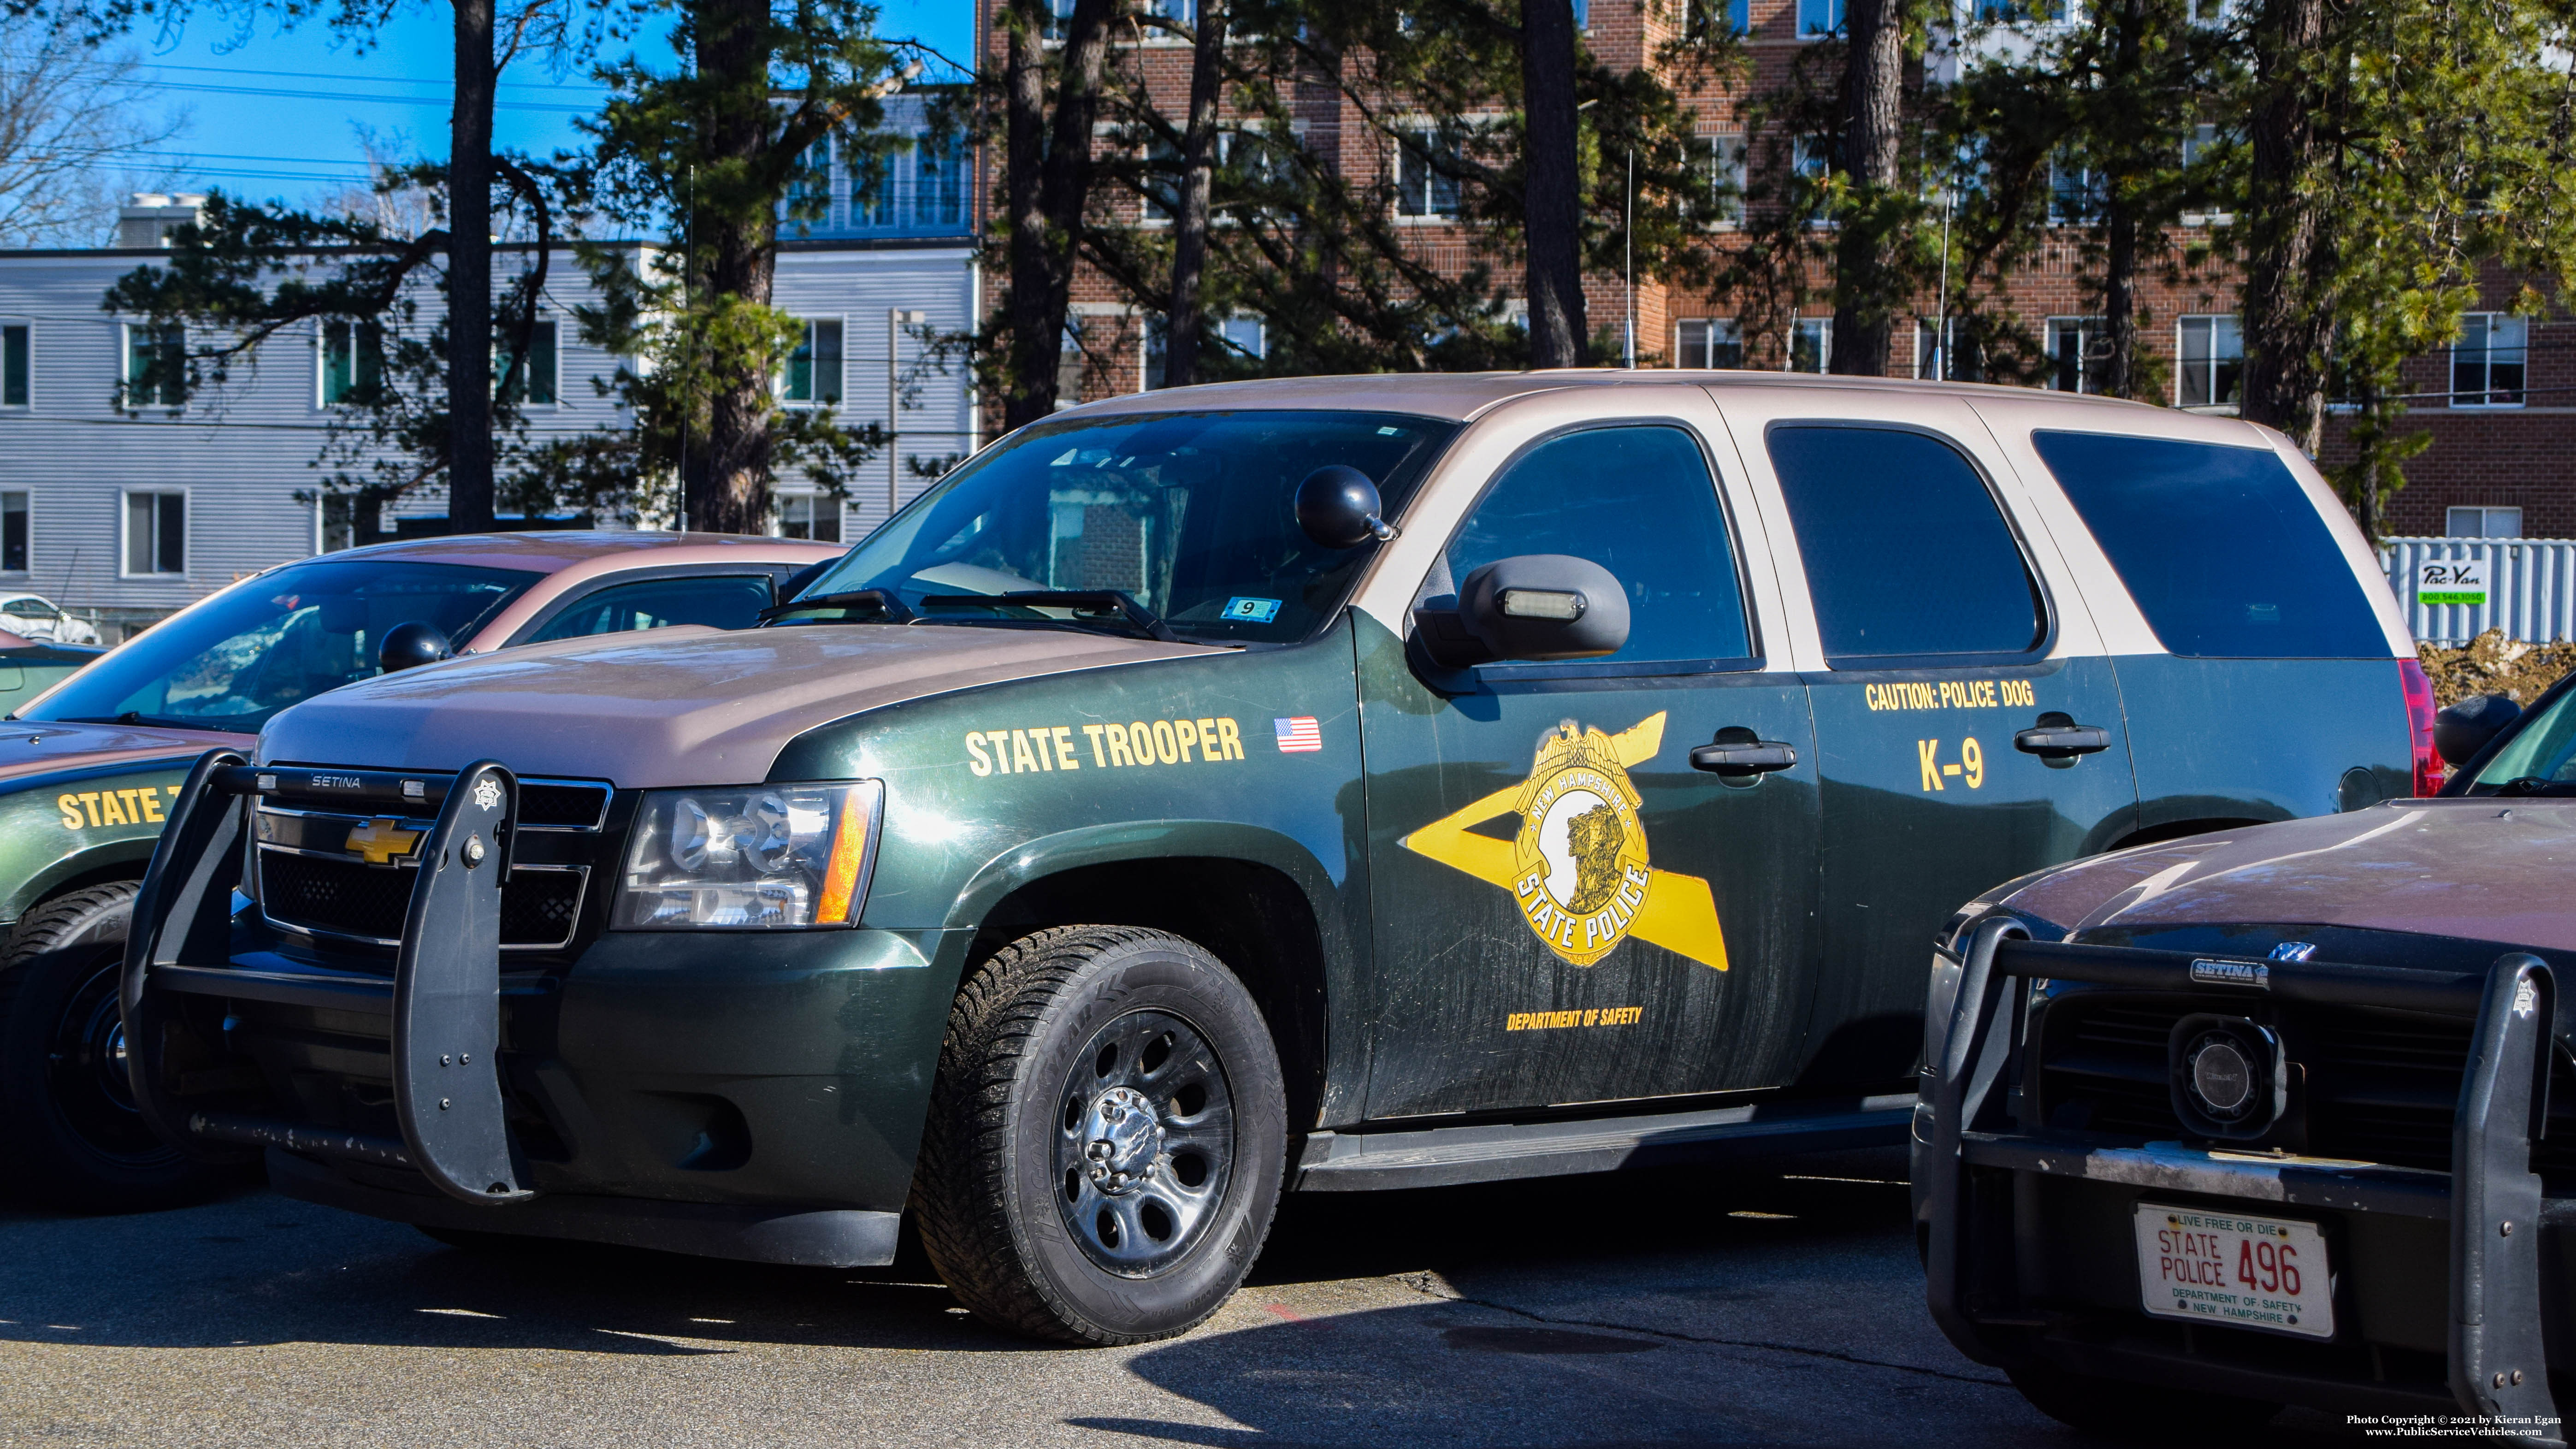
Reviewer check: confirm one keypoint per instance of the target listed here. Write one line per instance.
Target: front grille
(2380, 1086)
(560, 805)
(538, 906)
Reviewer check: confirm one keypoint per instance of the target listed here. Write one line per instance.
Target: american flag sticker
(1299, 736)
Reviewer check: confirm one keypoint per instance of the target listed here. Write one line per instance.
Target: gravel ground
(1773, 1306)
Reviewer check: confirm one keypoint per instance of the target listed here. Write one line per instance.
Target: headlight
(751, 857)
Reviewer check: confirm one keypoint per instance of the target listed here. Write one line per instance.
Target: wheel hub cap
(1124, 1139)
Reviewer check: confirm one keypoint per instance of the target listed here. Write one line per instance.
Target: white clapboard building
(128, 504)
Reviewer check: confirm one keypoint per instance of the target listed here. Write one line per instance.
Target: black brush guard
(2493, 1199)
(447, 971)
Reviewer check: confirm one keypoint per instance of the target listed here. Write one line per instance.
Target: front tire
(1106, 1137)
(70, 1136)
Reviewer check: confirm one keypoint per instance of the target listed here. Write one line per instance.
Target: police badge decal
(1579, 869)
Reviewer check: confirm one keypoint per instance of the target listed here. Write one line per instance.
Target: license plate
(2233, 1270)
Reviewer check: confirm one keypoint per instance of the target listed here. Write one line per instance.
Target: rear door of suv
(1969, 726)
(2262, 657)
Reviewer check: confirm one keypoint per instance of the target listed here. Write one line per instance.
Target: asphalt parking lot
(1778, 1305)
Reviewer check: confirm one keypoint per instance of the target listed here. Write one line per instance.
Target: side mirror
(409, 645)
(1534, 606)
(2469, 726)
(1337, 506)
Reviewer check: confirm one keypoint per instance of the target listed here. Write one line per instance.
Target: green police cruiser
(1301, 785)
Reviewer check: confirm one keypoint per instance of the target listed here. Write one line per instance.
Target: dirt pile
(2494, 664)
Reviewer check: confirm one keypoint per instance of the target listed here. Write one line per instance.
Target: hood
(37, 747)
(2486, 869)
(675, 707)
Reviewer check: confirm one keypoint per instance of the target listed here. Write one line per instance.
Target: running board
(1441, 1156)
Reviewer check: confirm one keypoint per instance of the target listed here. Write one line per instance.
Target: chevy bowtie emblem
(1578, 867)
(382, 842)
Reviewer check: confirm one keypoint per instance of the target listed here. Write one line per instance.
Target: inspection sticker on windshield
(2451, 581)
(1250, 611)
(2234, 1270)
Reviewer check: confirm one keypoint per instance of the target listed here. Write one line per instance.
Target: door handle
(2059, 737)
(1743, 757)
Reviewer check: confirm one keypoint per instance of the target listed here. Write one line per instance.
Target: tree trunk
(1047, 183)
(2287, 324)
(469, 275)
(2120, 222)
(1198, 177)
(1551, 199)
(1865, 252)
(728, 468)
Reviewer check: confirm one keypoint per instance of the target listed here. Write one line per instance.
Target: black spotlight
(2228, 1077)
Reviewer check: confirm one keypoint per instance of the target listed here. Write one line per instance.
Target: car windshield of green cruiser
(1191, 515)
(270, 641)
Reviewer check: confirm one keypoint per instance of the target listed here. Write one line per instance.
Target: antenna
(1628, 238)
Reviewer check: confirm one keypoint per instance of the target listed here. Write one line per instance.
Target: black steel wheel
(69, 1132)
(1106, 1137)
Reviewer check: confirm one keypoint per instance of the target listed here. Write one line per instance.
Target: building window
(814, 368)
(535, 384)
(2487, 362)
(872, 202)
(1820, 17)
(1812, 157)
(2071, 355)
(1936, 360)
(13, 532)
(939, 180)
(353, 361)
(156, 365)
(13, 365)
(156, 533)
(808, 200)
(1708, 342)
(1243, 337)
(2018, 12)
(1811, 344)
(1711, 19)
(1059, 17)
(810, 515)
(1583, 15)
(1426, 182)
(2074, 192)
(2213, 363)
(1719, 164)
(2485, 521)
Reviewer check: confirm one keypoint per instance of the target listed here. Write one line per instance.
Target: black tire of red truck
(69, 1135)
(1106, 1138)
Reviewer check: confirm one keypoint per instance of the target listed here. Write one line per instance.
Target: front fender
(1140, 840)
(68, 825)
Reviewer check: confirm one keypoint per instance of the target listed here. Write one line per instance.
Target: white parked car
(38, 617)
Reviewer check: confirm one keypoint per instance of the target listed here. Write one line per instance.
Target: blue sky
(279, 114)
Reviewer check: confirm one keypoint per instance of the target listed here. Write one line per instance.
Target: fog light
(2229, 1079)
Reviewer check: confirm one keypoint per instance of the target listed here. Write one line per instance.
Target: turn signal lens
(854, 852)
(2429, 768)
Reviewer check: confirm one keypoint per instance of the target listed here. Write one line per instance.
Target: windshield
(1191, 516)
(267, 642)
(2540, 758)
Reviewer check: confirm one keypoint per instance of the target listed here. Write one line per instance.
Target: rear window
(2220, 547)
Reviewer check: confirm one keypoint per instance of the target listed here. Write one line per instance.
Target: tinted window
(267, 642)
(2220, 547)
(1906, 552)
(1192, 515)
(1640, 503)
(728, 602)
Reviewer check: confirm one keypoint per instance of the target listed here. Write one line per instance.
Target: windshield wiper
(1144, 622)
(137, 717)
(2536, 785)
(890, 610)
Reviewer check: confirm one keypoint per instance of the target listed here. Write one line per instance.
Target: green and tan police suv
(1321, 784)
(88, 770)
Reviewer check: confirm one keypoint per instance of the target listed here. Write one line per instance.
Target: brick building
(2501, 403)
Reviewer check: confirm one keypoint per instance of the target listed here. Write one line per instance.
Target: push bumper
(2003, 1196)
(738, 1096)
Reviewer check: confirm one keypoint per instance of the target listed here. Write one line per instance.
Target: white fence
(2524, 586)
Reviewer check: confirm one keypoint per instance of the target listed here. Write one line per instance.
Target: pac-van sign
(2451, 581)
